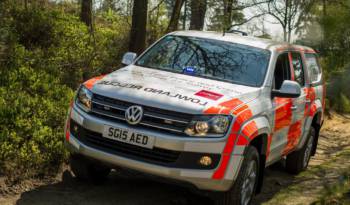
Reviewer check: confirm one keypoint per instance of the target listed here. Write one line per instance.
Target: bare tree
(175, 16)
(289, 14)
(86, 12)
(229, 13)
(198, 10)
(137, 41)
(246, 4)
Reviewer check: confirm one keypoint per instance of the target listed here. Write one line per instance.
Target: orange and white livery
(203, 108)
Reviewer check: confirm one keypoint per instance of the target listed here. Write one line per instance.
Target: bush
(32, 111)
(46, 54)
(63, 45)
(338, 93)
(344, 104)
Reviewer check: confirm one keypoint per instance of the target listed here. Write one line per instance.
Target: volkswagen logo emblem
(133, 115)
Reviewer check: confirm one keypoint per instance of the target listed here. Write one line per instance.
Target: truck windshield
(206, 58)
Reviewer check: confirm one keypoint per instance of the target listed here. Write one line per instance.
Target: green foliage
(157, 24)
(219, 21)
(328, 30)
(338, 90)
(44, 55)
(33, 104)
(64, 46)
(337, 29)
(336, 194)
(344, 104)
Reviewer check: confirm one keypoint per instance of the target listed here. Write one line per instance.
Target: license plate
(128, 136)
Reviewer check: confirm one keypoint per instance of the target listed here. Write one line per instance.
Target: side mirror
(289, 89)
(129, 58)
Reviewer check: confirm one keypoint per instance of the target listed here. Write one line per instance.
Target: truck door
(282, 108)
(298, 104)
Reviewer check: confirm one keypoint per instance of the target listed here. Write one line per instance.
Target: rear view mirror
(289, 89)
(129, 58)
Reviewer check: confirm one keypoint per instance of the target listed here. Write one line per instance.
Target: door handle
(294, 107)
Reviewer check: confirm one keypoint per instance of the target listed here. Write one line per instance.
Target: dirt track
(123, 189)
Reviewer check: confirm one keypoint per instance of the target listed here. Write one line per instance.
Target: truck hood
(171, 91)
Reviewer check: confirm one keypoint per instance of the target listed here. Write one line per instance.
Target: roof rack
(237, 31)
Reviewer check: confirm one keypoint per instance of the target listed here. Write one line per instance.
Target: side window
(282, 70)
(298, 69)
(313, 66)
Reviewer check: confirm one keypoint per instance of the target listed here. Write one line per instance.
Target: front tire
(298, 161)
(243, 190)
(85, 169)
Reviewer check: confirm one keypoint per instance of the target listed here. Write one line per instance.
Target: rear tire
(243, 190)
(298, 161)
(85, 169)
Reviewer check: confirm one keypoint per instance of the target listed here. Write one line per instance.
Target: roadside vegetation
(327, 179)
(45, 54)
(47, 48)
(327, 183)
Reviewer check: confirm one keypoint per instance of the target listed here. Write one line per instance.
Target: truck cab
(202, 108)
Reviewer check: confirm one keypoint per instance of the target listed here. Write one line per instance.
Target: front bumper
(200, 178)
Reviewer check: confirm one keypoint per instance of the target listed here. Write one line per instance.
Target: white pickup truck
(203, 108)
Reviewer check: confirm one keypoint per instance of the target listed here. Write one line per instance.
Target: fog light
(205, 160)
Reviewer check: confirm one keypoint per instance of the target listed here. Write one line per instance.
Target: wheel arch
(259, 137)
(316, 123)
(260, 142)
(258, 134)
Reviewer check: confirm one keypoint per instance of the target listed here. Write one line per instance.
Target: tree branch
(157, 6)
(248, 20)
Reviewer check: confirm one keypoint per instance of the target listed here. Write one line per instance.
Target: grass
(327, 183)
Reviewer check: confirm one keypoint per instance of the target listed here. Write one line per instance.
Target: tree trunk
(184, 19)
(137, 41)
(285, 34)
(289, 36)
(174, 20)
(228, 6)
(86, 12)
(198, 10)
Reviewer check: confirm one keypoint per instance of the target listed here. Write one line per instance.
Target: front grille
(95, 140)
(155, 118)
(159, 156)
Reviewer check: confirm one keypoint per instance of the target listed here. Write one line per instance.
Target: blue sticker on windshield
(189, 70)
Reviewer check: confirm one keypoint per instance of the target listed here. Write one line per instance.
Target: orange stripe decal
(224, 107)
(242, 140)
(90, 83)
(294, 134)
(241, 117)
(283, 113)
(250, 130)
(310, 96)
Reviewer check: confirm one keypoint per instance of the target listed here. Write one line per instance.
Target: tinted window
(207, 58)
(298, 68)
(314, 70)
(282, 70)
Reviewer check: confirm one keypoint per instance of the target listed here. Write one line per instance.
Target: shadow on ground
(124, 189)
(121, 188)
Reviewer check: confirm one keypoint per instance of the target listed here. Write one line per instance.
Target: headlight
(83, 98)
(215, 126)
